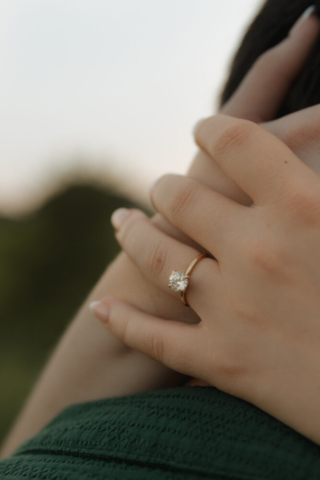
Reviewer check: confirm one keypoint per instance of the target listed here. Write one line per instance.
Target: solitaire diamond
(178, 281)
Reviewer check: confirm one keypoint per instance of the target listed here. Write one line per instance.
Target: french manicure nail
(101, 311)
(309, 11)
(306, 14)
(93, 305)
(119, 217)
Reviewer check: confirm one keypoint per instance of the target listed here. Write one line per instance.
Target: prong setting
(178, 281)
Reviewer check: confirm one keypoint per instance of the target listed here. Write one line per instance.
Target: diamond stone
(178, 281)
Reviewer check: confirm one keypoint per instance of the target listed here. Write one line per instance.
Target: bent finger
(300, 131)
(157, 254)
(204, 215)
(258, 162)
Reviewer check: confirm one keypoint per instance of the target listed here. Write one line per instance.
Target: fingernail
(197, 126)
(93, 305)
(119, 217)
(101, 311)
(306, 14)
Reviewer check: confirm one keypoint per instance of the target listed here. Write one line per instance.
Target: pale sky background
(120, 83)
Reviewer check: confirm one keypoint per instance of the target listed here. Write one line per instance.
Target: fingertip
(309, 17)
(120, 217)
(154, 188)
(101, 310)
(308, 12)
(93, 305)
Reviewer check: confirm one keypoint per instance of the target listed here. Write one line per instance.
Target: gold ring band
(179, 281)
(188, 272)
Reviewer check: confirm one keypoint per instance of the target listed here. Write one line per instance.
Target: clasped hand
(257, 298)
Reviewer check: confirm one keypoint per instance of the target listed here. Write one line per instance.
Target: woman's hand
(259, 297)
(89, 363)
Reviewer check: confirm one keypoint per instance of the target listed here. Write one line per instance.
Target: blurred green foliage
(49, 261)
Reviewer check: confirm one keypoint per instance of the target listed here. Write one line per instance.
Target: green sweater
(182, 433)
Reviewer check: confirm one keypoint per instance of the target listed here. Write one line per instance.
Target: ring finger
(157, 255)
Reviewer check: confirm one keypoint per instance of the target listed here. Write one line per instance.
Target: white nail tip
(93, 305)
(308, 12)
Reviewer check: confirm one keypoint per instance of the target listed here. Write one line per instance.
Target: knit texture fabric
(182, 433)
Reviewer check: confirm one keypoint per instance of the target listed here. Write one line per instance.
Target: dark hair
(270, 26)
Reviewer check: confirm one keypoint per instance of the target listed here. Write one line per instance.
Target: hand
(258, 98)
(89, 363)
(258, 298)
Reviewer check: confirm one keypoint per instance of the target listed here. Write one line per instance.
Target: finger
(259, 163)
(300, 131)
(206, 216)
(174, 344)
(207, 171)
(263, 90)
(156, 255)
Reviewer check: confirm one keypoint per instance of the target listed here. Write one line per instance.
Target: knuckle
(183, 200)
(155, 344)
(234, 137)
(156, 259)
(270, 260)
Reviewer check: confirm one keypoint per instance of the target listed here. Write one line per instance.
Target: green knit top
(182, 433)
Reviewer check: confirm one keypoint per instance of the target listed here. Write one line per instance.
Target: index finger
(258, 162)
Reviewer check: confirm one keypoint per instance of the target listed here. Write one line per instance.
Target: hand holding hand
(87, 364)
(258, 298)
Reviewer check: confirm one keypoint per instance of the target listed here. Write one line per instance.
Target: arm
(90, 363)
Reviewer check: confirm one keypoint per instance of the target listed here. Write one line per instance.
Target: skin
(90, 362)
(258, 298)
